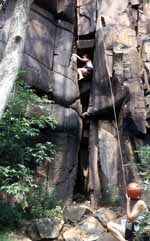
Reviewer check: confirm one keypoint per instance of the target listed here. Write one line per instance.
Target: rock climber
(87, 67)
(127, 229)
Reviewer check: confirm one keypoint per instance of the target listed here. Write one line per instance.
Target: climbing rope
(118, 136)
(114, 110)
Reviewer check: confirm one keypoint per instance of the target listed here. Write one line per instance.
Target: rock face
(119, 91)
(86, 16)
(48, 62)
(108, 161)
(66, 136)
(50, 69)
(116, 96)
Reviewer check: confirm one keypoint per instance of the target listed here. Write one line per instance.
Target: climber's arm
(136, 210)
(78, 57)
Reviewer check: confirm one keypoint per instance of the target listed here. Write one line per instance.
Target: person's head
(85, 56)
(134, 190)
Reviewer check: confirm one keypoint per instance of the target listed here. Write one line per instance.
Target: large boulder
(74, 213)
(91, 225)
(106, 237)
(44, 228)
(104, 215)
(88, 230)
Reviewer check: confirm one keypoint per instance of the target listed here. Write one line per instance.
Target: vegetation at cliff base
(22, 150)
(144, 169)
(6, 238)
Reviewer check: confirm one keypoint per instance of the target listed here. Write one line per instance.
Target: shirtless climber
(134, 209)
(87, 67)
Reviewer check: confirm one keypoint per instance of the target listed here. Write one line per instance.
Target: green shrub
(21, 147)
(9, 216)
(56, 212)
(143, 152)
(42, 204)
(6, 238)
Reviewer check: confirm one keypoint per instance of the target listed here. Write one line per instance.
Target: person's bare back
(134, 208)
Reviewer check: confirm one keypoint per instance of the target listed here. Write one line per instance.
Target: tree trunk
(11, 60)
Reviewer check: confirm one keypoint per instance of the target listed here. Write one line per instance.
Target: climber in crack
(87, 67)
(127, 229)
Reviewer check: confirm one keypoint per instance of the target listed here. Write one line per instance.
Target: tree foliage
(144, 167)
(21, 149)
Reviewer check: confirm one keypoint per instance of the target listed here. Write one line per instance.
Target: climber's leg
(80, 75)
(82, 72)
(117, 230)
